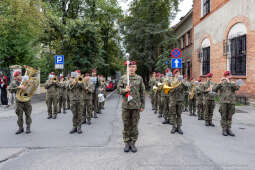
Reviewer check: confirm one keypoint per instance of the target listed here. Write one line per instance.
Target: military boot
(230, 133)
(127, 147)
(100, 112)
(54, 116)
(19, 131)
(160, 115)
(132, 147)
(173, 130)
(224, 132)
(165, 122)
(206, 123)
(79, 130)
(89, 122)
(211, 124)
(49, 117)
(155, 111)
(28, 130)
(179, 130)
(84, 122)
(64, 111)
(73, 130)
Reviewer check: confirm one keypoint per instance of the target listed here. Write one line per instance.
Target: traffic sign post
(176, 63)
(59, 62)
(176, 53)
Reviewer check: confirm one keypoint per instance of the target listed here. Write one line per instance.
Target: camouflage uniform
(199, 102)
(21, 107)
(192, 102)
(96, 84)
(67, 94)
(62, 97)
(152, 83)
(130, 110)
(227, 103)
(87, 110)
(165, 103)
(209, 103)
(176, 105)
(51, 97)
(186, 101)
(101, 90)
(76, 98)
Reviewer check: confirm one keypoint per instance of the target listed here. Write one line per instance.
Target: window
(205, 7)
(188, 38)
(182, 42)
(238, 55)
(205, 60)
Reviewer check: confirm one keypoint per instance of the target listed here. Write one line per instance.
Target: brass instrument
(155, 88)
(160, 85)
(174, 84)
(79, 79)
(166, 88)
(24, 95)
(192, 93)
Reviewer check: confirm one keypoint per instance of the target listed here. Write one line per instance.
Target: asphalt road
(51, 147)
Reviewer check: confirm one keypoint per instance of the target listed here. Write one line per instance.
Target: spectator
(3, 85)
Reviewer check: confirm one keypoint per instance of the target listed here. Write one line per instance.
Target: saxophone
(24, 95)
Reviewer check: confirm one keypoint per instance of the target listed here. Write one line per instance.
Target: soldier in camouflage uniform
(161, 96)
(192, 101)
(158, 93)
(176, 101)
(68, 81)
(62, 95)
(199, 101)
(209, 100)
(131, 109)
(227, 91)
(76, 98)
(21, 106)
(186, 96)
(95, 81)
(51, 87)
(152, 83)
(89, 89)
(166, 100)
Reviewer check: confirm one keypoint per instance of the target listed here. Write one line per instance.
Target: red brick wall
(215, 4)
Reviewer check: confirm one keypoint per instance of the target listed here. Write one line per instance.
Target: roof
(183, 19)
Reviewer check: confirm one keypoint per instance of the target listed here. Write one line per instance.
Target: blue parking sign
(59, 59)
(176, 63)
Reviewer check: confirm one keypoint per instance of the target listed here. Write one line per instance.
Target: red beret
(87, 74)
(61, 77)
(132, 63)
(226, 73)
(209, 75)
(199, 80)
(158, 74)
(16, 73)
(191, 78)
(167, 70)
(175, 71)
(77, 71)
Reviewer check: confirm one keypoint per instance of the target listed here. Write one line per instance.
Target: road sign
(176, 53)
(176, 63)
(59, 62)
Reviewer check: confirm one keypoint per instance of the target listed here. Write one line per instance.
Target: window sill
(238, 77)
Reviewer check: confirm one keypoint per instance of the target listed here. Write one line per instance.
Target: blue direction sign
(59, 59)
(176, 63)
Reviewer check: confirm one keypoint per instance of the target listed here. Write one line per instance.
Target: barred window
(238, 55)
(205, 7)
(206, 60)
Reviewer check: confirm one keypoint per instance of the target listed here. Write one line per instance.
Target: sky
(184, 8)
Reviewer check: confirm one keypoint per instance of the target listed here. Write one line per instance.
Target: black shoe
(155, 111)
(73, 130)
(194, 114)
(230, 133)
(89, 122)
(206, 123)
(79, 130)
(133, 148)
(21, 130)
(159, 116)
(54, 116)
(84, 122)
(173, 130)
(170, 123)
(100, 112)
(127, 147)
(165, 122)
(179, 130)
(95, 117)
(64, 111)
(28, 130)
(211, 124)
(49, 117)
(199, 118)
(224, 132)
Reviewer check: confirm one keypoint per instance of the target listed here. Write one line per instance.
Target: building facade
(183, 31)
(224, 39)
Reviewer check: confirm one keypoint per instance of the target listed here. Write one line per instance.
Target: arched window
(236, 59)
(205, 58)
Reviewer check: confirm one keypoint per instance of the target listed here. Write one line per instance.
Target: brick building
(224, 39)
(183, 31)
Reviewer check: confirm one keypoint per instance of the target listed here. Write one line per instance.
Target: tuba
(174, 84)
(79, 79)
(166, 88)
(192, 93)
(24, 95)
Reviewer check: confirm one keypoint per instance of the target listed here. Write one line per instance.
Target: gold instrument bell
(24, 95)
(166, 88)
(79, 79)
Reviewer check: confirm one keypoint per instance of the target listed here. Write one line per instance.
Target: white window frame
(205, 43)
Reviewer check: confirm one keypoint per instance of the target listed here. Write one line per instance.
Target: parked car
(110, 86)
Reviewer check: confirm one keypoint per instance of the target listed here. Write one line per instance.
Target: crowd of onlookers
(3, 92)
